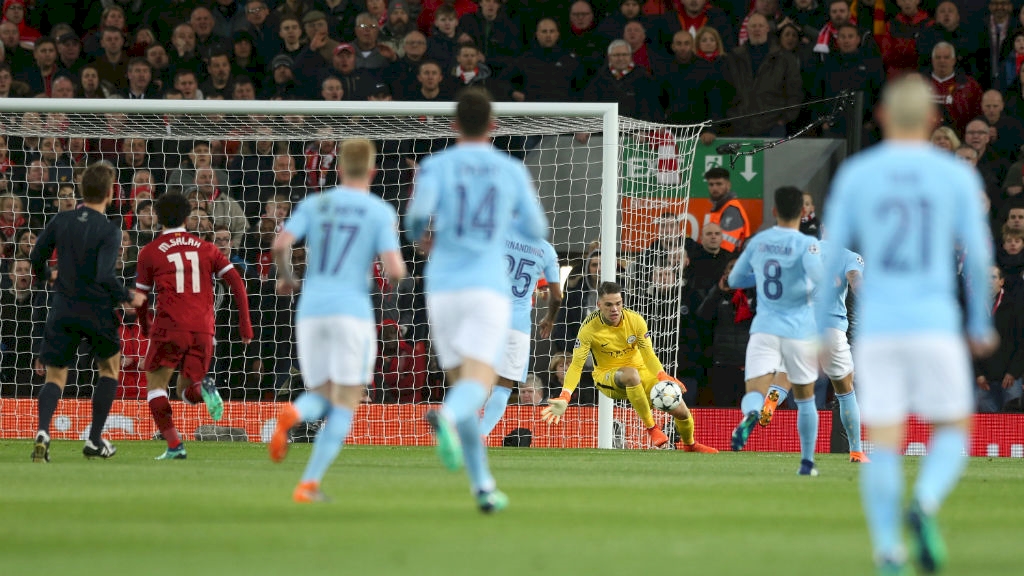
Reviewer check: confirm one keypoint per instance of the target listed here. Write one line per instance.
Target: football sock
(160, 408)
(311, 406)
(49, 396)
(193, 394)
(752, 402)
(462, 405)
(849, 413)
(494, 409)
(881, 489)
(782, 393)
(941, 468)
(328, 443)
(685, 430)
(102, 400)
(464, 401)
(807, 427)
(641, 402)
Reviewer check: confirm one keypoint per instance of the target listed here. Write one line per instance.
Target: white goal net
(244, 165)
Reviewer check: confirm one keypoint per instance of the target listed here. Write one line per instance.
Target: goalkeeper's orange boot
(309, 491)
(699, 448)
(286, 419)
(859, 457)
(771, 403)
(658, 438)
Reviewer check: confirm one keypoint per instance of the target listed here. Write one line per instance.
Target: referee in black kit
(86, 296)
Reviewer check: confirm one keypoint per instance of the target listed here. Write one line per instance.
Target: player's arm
(388, 249)
(552, 413)
(41, 253)
(106, 258)
(287, 282)
(854, 270)
(241, 296)
(813, 265)
(144, 285)
(295, 228)
(650, 359)
(840, 233)
(742, 275)
(977, 243)
(532, 222)
(551, 275)
(423, 204)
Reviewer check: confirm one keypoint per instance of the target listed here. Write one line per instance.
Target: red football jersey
(181, 267)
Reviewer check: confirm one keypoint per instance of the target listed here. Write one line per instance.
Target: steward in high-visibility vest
(726, 210)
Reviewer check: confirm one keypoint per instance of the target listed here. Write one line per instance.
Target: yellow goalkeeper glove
(552, 413)
(662, 376)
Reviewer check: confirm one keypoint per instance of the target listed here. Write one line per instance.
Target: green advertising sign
(651, 169)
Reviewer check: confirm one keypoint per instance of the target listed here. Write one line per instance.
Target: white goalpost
(244, 163)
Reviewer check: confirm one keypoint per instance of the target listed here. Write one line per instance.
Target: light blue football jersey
(345, 229)
(835, 312)
(528, 261)
(472, 196)
(906, 207)
(785, 266)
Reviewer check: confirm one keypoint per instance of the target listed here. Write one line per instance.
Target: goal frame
(608, 112)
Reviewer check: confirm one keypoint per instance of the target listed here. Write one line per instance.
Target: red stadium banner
(402, 424)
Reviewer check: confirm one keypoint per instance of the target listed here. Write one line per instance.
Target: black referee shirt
(87, 245)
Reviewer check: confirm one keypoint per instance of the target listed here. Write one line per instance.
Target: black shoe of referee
(104, 450)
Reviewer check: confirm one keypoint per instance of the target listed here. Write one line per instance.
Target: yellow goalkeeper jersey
(613, 347)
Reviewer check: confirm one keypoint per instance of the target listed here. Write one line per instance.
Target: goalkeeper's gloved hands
(552, 413)
(665, 376)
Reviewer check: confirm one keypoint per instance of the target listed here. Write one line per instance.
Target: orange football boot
(658, 438)
(699, 448)
(286, 419)
(859, 457)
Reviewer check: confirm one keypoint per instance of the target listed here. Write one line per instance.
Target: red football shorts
(189, 352)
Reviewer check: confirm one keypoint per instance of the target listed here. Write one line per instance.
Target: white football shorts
(836, 359)
(338, 349)
(927, 374)
(469, 323)
(767, 354)
(515, 362)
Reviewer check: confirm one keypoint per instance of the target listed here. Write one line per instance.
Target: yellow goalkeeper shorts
(605, 382)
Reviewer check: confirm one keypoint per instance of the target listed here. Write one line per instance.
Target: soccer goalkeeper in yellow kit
(625, 367)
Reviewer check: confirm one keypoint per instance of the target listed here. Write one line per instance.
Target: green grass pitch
(227, 510)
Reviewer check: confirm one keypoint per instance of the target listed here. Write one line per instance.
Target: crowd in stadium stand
(676, 61)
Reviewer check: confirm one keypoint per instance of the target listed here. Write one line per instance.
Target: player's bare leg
(777, 392)
(751, 406)
(849, 413)
(685, 424)
(457, 428)
(807, 426)
(629, 379)
(157, 383)
(344, 401)
(102, 399)
(494, 409)
(49, 397)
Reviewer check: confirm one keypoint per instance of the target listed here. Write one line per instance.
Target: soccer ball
(666, 395)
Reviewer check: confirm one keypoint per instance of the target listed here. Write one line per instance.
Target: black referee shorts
(69, 323)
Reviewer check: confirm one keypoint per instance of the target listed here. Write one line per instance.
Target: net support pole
(609, 244)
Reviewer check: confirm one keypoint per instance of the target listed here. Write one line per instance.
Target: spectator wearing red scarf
(692, 16)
